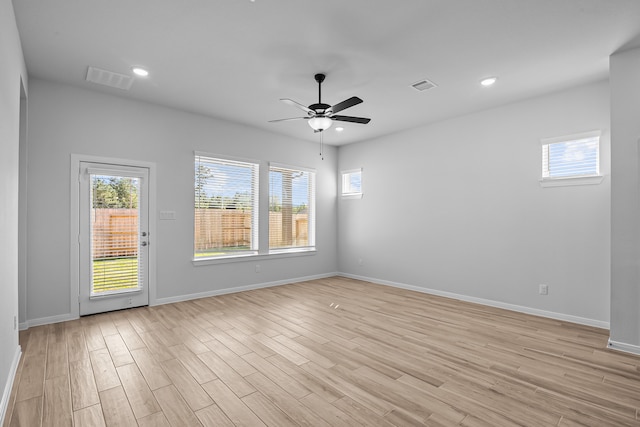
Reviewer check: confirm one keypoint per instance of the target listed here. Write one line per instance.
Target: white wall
(625, 200)
(456, 208)
(11, 72)
(65, 120)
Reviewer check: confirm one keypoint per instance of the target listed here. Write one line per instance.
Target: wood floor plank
(290, 406)
(154, 420)
(116, 408)
(57, 410)
(286, 381)
(231, 405)
(104, 371)
(57, 361)
(193, 364)
(150, 369)
(137, 390)
(118, 349)
(91, 416)
(32, 377)
(267, 411)
(231, 378)
(76, 345)
(174, 407)
(83, 385)
(213, 416)
(236, 362)
(27, 413)
(188, 387)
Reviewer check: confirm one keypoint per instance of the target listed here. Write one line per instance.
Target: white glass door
(114, 237)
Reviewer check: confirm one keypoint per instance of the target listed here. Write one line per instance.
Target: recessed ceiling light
(139, 71)
(488, 81)
(339, 129)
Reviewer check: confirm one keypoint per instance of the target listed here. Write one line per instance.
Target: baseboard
(490, 303)
(627, 348)
(159, 301)
(6, 395)
(187, 297)
(47, 320)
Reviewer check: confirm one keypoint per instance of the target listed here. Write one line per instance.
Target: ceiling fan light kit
(321, 116)
(318, 124)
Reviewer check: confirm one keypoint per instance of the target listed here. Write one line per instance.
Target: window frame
(344, 178)
(561, 181)
(255, 207)
(311, 211)
(262, 250)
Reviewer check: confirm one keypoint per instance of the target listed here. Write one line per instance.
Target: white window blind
(292, 199)
(352, 183)
(571, 157)
(226, 207)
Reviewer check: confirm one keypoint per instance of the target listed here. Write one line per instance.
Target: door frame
(74, 224)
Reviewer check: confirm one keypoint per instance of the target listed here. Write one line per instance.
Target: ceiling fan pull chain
(321, 145)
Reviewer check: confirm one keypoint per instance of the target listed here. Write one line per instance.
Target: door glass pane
(114, 234)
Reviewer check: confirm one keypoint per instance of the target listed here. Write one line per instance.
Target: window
(571, 160)
(291, 208)
(226, 207)
(352, 184)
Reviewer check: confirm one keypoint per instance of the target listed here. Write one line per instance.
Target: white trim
(234, 290)
(48, 320)
(571, 137)
(6, 394)
(74, 227)
(490, 303)
(254, 256)
(223, 157)
(620, 346)
(565, 182)
(290, 167)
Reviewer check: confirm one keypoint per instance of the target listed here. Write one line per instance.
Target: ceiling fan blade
(354, 100)
(298, 105)
(361, 120)
(292, 118)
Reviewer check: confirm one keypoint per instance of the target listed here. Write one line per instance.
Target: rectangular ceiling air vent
(423, 85)
(109, 78)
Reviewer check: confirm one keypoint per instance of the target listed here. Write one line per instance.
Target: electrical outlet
(258, 268)
(359, 261)
(543, 289)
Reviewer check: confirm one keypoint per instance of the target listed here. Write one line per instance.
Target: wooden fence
(216, 228)
(114, 232)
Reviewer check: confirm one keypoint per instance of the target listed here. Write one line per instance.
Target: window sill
(564, 182)
(275, 254)
(352, 196)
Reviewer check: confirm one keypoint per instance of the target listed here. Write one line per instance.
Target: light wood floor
(322, 353)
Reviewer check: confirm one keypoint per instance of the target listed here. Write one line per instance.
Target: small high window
(352, 183)
(571, 160)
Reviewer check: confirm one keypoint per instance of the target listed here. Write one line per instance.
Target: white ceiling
(234, 59)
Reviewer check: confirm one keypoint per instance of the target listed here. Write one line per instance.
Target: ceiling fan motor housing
(319, 108)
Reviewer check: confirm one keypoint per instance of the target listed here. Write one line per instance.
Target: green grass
(115, 274)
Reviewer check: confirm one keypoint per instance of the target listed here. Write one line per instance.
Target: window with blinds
(226, 207)
(575, 156)
(292, 201)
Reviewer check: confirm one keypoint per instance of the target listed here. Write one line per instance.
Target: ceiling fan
(321, 116)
